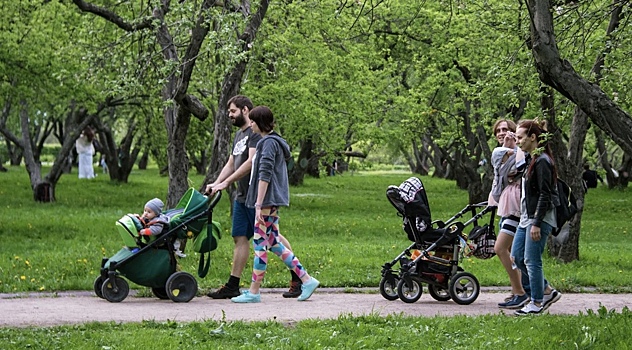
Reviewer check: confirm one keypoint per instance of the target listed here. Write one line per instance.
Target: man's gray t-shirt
(244, 140)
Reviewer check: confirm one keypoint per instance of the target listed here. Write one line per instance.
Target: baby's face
(148, 214)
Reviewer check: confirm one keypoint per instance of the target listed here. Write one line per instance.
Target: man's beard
(239, 120)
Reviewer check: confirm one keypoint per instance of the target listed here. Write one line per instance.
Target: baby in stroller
(433, 257)
(154, 221)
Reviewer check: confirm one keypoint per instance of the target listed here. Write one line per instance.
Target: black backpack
(567, 207)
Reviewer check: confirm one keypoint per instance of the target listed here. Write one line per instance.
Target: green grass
(593, 330)
(342, 228)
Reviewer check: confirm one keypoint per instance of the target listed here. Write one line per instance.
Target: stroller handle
(216, 197)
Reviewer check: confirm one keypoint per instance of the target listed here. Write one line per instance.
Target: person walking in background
(506, 194)
(269, 190)
(104, 164)
(85, 150)
(590, 178)
(238, 169)
(537, 215)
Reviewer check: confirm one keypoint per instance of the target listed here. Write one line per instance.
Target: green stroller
(152, 263)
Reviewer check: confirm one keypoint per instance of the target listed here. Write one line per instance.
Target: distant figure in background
(85, 149)
(104, 165)
(590, 178)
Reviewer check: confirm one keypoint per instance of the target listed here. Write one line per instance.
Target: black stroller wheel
(388, 287)
(115, 293)
(98, 283)
(409, 289)
(160, 293)
(464, 288)
(181, 287)
(439, 293)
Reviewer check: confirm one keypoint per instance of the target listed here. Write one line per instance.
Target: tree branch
(113, 17)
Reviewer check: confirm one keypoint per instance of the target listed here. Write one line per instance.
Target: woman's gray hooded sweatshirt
(269, 165)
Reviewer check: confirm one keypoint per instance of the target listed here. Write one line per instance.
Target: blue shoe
(247, 297)
(517, 302)
(308, 289)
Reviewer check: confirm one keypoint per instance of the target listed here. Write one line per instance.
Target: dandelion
(23, 278)
(32, 280)
(16, 257)
(41, 288)
(27, 263)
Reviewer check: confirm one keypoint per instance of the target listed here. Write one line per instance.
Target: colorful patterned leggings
(265, 239)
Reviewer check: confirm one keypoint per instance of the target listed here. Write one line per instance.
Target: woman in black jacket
(537, 216)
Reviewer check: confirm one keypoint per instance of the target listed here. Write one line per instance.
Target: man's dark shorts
(243, 220)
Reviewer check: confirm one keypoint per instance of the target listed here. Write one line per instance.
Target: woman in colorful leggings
(269, 189)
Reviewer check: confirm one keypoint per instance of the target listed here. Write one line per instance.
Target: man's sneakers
(308, 289)
(247, 297)
(224, 293)
(516, 302)
(530, 309)
(295, 290)
(547, 301)
(550, 298)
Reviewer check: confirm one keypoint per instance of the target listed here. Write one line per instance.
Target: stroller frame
(180, 286)
(440, 271)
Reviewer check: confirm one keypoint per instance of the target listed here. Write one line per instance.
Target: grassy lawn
(343, 229)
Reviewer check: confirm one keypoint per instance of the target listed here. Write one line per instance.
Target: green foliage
(342, 228)
(600, 329)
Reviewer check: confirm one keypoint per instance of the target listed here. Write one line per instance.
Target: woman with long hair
(537, 215)
(506, 194)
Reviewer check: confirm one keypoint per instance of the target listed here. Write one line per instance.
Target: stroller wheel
(98, 283)
(388, 287)
(181, 287)
(409, 289)
(115, 290)
(439, 293)
(464, 288)
(160, 293)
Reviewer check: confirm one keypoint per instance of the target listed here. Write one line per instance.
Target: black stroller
(152, 263)
(438, 247)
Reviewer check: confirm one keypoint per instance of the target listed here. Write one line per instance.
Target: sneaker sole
(527, 313)
(552, 301)
(222, 296)
(286, 295)
(514, 307)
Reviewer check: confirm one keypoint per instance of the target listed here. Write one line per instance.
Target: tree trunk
(560, 75)
(604, 160)
(231, 86)
(592, 101)
(297, 174)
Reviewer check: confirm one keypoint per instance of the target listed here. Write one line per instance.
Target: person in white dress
(86, 151)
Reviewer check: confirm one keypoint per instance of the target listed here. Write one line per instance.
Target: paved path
(23, 310)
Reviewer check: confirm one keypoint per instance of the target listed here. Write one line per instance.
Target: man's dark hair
(240, 102)
(263, 117)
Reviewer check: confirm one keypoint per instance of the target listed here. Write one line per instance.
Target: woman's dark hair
(262, 116)
(89, 133)
(538, 129)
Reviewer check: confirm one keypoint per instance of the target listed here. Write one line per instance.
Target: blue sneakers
(516, 302)
(308, 289)
(247, 297)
